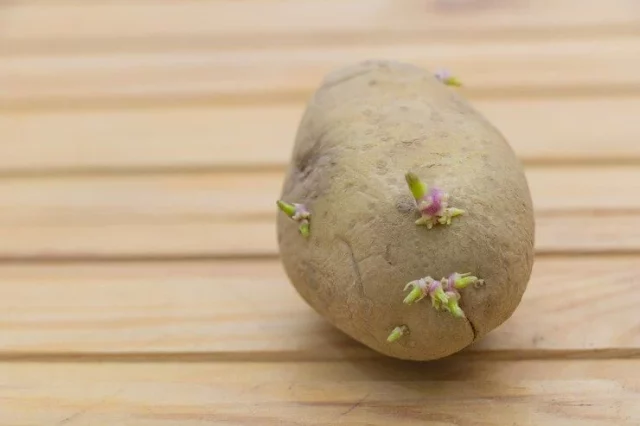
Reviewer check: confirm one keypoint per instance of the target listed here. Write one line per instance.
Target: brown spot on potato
(411, 142)
(405, 205)
(381, 167)
(387, 255)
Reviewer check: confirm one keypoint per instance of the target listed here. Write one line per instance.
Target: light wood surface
(340, 393)
(137, 286)
(229, 309)
(596, 129)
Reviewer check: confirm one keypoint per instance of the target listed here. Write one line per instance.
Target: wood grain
(566, 235)
(306, 21)
(236, 310)
(489, 70)
(600, 129)
(89, 199)
(380, 393)
(206, 214)
(143, 143)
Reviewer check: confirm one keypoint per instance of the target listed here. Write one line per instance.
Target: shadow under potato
(468, 364)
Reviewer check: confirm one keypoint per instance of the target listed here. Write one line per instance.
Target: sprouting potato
(406, 219)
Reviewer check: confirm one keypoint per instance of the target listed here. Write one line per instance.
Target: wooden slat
(576, 234)
(207, 214)
(584, 233)
(547, 130)
(235, 310)
(209, 196)
(522, 393)
(87, 174)
(305, 20)
(489, 70)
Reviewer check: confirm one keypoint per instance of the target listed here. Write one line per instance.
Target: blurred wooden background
(139, 287)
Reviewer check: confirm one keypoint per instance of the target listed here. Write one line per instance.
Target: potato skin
(364, 128)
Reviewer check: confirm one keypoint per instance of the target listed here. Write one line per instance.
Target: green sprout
(397, 333)
(445, 77)
(443, 293)
(297, 213)
(417, 187)
(433, 203)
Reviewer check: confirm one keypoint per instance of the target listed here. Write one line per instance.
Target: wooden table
(139, 287)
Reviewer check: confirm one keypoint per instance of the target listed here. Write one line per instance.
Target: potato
(358, 245)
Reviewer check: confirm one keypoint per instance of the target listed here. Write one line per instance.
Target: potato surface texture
(363, 129)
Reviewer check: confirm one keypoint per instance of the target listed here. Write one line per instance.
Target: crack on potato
(386, 254)
(354, 265)
(474, 330)
(383, 255)
(369, 256)
(365, 300)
